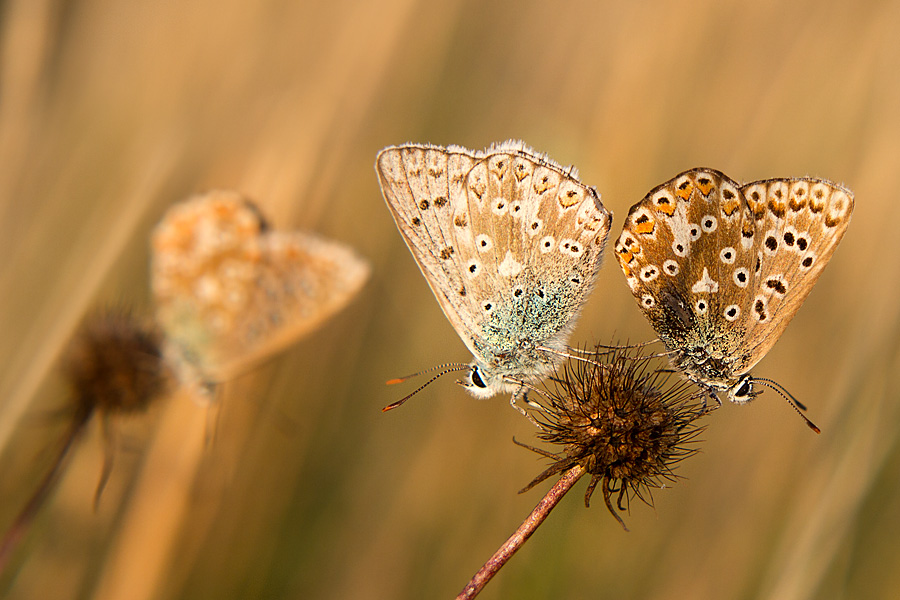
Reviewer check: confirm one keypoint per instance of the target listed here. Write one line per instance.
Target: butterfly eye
(745, 389)
(476, 378)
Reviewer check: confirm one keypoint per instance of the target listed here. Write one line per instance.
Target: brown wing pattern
(719, 269)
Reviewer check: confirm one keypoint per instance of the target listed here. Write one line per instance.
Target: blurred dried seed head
(115, 365)
(621, 421)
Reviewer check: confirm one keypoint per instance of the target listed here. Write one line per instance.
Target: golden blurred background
(112, 111)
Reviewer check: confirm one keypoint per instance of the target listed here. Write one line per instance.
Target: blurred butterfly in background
(230, 292)
(510, 243)
(719, 269)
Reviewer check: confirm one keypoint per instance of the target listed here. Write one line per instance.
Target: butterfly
(230, 291)
(719, 269)
(510, 243)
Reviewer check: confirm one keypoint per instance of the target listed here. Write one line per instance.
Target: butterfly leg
(522, 392)
(710, 393)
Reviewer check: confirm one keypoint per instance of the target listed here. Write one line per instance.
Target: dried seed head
(620, 421)
(115, 364)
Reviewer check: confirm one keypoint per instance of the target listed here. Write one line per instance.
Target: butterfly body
(510, 243)
(719, 269)
(515, 339)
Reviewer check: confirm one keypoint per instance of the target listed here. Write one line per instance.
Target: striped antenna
(446, 368)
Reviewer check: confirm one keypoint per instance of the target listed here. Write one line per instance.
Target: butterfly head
(742, 391)
(481, 383)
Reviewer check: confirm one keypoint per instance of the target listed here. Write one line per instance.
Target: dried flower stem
(20, 525)
(521, 535)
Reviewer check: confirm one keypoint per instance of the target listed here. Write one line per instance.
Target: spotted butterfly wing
(720, 269)
(230, 292)
(799, 223)
(510, 243)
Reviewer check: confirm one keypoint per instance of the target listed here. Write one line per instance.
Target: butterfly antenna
(450, 366)
(798, 406)
(447, 368)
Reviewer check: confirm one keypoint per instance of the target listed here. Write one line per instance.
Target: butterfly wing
(539, 237)
(481, 252)
(697, 254)
(680, 251)
(424, 188)
(230, 293)
(798, 225)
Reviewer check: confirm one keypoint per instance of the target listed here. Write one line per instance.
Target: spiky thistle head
(621, 421)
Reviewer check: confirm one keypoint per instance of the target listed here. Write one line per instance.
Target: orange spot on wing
(796, 202)
(684, 192)
(646, 227)
(664, 206)
(729, 207)
(705, 188)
